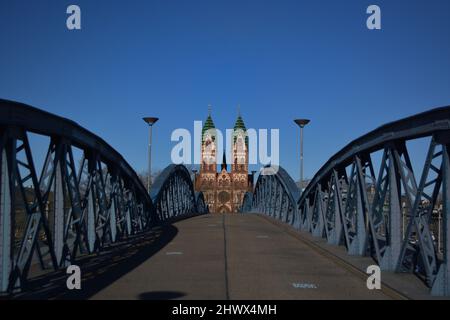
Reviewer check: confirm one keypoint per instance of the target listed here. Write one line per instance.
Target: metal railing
(403, 223)
(86, 196)
(275, 194)
(174, 196)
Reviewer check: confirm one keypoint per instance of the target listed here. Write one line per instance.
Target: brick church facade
(224, 190)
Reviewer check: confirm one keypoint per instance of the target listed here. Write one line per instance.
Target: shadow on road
(100, 270)
(161, 295)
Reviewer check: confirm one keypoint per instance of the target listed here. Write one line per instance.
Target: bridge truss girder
(275, 195)
(173, 194)
(48, 220)
(387, 216)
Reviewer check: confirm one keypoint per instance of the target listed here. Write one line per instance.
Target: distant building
(224, 190)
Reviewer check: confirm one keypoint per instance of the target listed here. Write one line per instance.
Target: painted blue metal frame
(72, 208)
(390, 216)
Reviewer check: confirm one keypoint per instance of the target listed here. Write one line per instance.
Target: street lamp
(150, 121)
(301, 123)
(194, 171)
(253, 177)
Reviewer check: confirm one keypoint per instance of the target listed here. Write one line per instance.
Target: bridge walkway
(238, 257)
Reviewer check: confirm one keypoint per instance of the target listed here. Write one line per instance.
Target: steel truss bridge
(348, 204)
(85, 198)
(72, 209)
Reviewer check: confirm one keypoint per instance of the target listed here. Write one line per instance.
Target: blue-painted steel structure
(173, 194)
(390, 216)
(75, 206)
(275, 194)
(366, 197)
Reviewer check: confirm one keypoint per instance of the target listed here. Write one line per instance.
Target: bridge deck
(237, 257)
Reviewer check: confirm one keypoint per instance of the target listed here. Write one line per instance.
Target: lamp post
(194, 171)
(150, 121)
(301, 123)
(253, 177)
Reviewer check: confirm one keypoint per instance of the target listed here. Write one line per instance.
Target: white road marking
(173, 253)
(304, 285)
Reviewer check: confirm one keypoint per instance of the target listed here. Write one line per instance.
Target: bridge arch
(384, 213)
(202, 206)
(173, 194)
(275, 194)
(74, 206)
(348, 203)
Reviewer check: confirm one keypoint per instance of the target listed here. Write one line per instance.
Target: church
(224, 190)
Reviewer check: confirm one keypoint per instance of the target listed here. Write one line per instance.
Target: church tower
(209, 146)
(239, 168)
(206, 181)
(240, 147)
(224, 190)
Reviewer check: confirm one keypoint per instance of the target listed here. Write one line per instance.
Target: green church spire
(209, 123)
(240, 125)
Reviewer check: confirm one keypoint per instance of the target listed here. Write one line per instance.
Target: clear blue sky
(278, 59)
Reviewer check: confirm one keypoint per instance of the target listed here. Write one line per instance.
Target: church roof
(239, 124)
(209, 124)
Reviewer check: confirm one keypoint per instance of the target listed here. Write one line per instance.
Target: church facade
(224, 190)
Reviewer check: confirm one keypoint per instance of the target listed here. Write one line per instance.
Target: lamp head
(301, 122)
(150, 120)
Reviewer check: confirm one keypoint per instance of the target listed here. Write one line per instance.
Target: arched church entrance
(224, 209)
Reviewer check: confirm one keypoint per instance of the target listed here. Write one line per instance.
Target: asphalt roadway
(238, 257)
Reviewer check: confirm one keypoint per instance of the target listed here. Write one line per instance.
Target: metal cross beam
(403, 223)
(85, 198)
